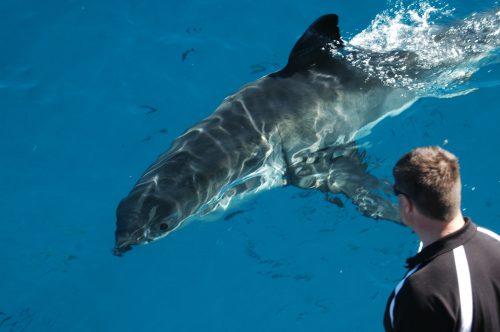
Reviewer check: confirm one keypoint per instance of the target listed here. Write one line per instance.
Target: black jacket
(452, 285)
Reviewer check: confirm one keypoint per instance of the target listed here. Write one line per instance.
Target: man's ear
(406, 204)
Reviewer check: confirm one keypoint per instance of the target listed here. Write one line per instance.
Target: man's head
(429, 178)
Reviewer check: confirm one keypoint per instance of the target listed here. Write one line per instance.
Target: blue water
(92, 92)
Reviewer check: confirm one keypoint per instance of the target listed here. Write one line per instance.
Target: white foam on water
(410, 46)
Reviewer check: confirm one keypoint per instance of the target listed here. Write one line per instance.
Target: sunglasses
(398, 192)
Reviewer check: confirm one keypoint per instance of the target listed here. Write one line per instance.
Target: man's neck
(433, 230)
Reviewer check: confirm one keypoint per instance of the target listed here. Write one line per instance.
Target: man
(453, 283)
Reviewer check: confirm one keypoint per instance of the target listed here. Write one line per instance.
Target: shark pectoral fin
(374, 205)
(310, 170)
(342, 169)
(370, 194)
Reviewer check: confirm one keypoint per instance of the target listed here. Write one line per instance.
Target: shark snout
(143, 218)
(120, 248)
(131, 227)
(126, 238)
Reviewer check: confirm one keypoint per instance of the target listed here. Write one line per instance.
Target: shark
(298, 126)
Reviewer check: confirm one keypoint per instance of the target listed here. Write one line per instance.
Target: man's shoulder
(485, 246)
(483, 252)
(488, 236)
(434, 277)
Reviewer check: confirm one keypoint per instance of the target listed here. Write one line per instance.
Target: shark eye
(163, 227)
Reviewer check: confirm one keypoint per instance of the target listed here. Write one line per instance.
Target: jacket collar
(444, 245)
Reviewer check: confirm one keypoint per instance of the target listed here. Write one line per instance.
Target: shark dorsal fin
(314, 45)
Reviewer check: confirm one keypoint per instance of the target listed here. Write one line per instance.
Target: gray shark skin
(297, 126)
